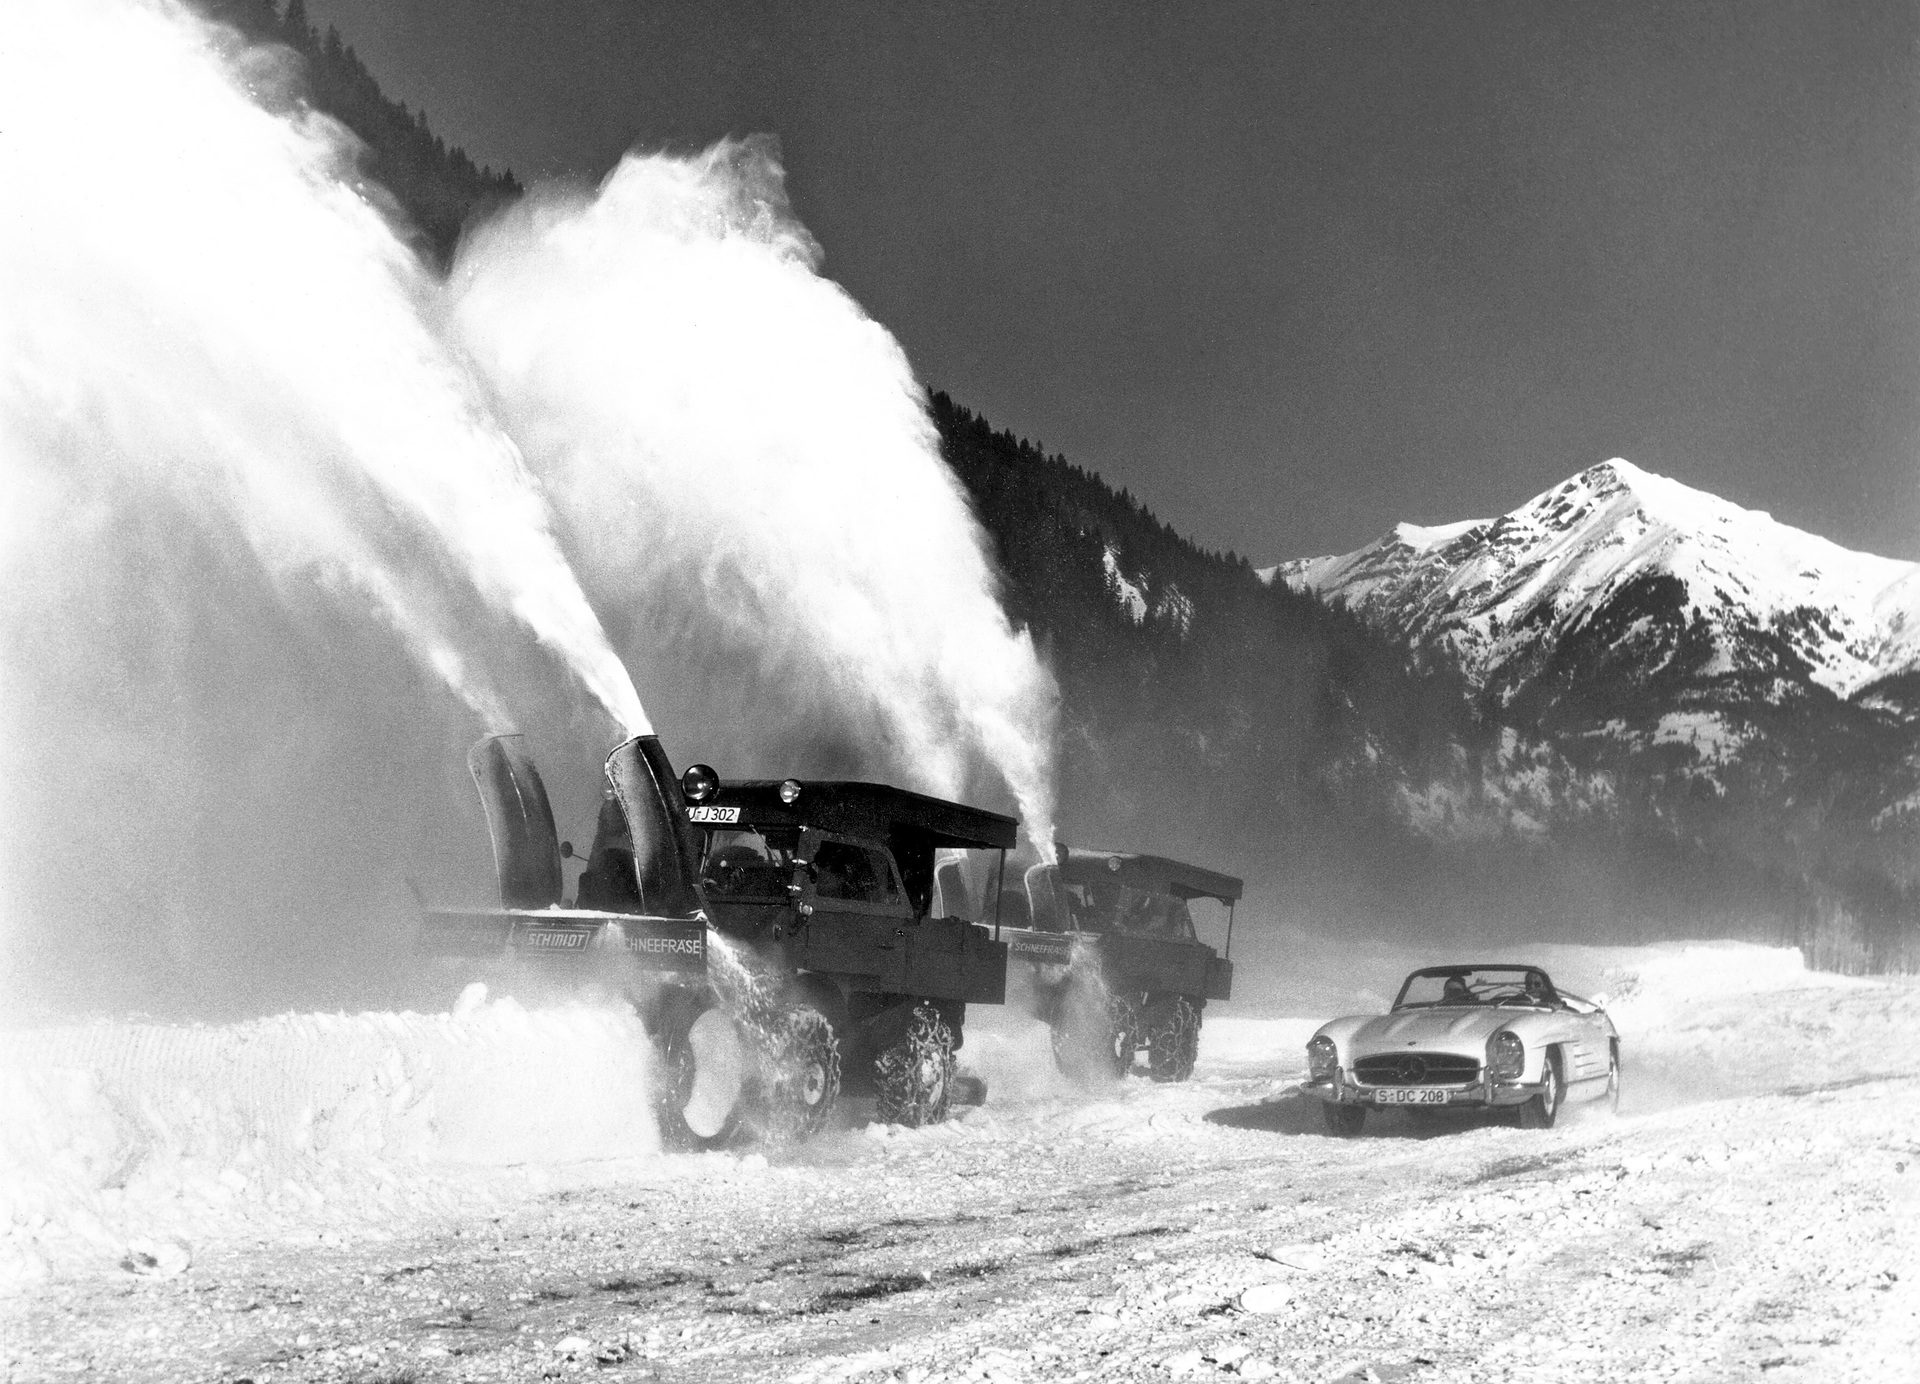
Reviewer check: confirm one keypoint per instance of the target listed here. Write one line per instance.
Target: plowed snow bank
(301, 1123)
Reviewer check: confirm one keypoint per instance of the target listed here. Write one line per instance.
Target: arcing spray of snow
(742, 460)
(194, 303)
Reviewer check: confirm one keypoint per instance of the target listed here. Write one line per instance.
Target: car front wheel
(1541, 1110)
(1343, 1121)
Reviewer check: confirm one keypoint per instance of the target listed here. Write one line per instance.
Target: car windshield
(749, 864)
(1461, 986)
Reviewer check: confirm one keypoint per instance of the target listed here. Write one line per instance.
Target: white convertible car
(1467, 1036)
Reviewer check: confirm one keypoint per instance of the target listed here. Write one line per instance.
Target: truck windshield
(858, 874)
(749, 865)
(1105, 906)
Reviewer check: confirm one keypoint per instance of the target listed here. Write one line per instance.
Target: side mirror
(566, 850)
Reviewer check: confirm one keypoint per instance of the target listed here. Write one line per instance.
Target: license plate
(1410, 1096)
(728, 815)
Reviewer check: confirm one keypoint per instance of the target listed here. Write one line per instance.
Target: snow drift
(352, 1126)
(298, 1124)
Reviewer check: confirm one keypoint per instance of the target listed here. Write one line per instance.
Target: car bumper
(1479, 1095)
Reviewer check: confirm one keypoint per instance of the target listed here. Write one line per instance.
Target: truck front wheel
(913, 1076)
(704, 1066)
(1095, 1034)
(800, 1079)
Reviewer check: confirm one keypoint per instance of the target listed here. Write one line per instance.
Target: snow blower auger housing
(776, 937)
(1111, 962)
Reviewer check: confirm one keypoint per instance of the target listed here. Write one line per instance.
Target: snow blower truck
(776, 937)
(1102, 948)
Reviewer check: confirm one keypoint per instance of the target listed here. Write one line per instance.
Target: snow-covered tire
(799, 1076)
(1540, 1111)
(1172, 1036)
(1343, 1121)
(705, 1069)
(913, 1076)
(1095, 1036)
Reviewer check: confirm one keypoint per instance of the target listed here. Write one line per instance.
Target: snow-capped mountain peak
(1641, 563)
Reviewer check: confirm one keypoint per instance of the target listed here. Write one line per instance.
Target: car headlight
(1506, 1056)
(1323, 1059)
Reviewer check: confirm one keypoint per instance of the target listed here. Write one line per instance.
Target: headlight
(1323, 1059)
(1506, 1056)
(699, 783)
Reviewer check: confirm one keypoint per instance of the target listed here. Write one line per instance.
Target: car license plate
(1411, 1096)
(728, 815)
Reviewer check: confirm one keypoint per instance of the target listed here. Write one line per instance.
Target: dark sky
(1291, 272)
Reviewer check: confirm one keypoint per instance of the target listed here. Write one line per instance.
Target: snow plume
(744, 467)
(196, 304)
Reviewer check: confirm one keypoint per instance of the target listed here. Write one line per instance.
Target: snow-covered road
(1751, 1213)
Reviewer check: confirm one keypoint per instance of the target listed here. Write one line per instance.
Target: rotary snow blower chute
(777, 938)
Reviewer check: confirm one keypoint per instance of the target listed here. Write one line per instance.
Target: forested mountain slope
(1321, 747)
(437, 187)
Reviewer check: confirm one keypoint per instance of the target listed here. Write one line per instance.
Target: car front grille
(1417, 1069)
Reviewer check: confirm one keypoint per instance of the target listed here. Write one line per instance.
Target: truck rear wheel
(913, 1077)
(1172, 1033)
(705, 1066)
(800, 1078)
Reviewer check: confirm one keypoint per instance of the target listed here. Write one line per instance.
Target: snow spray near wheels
(742, 1059)
(1093, 1029)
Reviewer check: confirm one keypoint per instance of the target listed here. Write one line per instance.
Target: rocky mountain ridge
(1620, 595)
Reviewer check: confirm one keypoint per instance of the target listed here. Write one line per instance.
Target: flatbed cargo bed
(1189, 968)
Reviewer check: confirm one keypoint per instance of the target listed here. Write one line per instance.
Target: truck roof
(1154, 873)
(870, 811)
